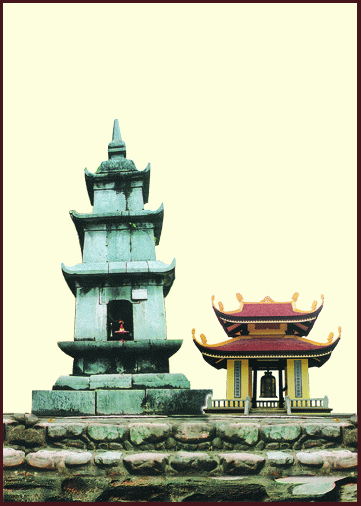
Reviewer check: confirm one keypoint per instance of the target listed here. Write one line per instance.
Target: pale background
(247, 113)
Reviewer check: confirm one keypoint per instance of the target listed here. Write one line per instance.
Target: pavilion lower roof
(266, 347)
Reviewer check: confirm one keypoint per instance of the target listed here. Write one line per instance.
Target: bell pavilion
(120, 349)
(267, 337)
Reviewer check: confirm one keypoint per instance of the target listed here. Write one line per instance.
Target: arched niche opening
(120, 311)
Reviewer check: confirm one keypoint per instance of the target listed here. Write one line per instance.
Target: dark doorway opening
(120, 311)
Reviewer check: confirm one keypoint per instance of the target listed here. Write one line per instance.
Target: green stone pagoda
(120, 348)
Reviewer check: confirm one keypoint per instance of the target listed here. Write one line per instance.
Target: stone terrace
(213, 458)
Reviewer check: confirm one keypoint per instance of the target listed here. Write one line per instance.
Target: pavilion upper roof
(267, 311)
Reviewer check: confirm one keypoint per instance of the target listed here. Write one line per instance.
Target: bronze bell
(268, 385)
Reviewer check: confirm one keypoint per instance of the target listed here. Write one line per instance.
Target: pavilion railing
(319, 402)
(267, 404)
(226, 403)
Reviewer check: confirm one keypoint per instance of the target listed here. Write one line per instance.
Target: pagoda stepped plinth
(120, 349)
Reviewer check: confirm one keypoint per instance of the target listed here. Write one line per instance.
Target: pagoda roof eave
(146, 216)
(91, 178)
(97, 274)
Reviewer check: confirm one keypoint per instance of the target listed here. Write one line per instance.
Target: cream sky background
(247, 114)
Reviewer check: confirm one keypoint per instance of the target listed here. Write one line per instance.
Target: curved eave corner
(89, 181)
(169, 278)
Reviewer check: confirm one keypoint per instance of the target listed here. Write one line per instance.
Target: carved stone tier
(117, 357)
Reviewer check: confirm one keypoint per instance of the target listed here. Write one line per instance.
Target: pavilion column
(254, 391)
(280, 387)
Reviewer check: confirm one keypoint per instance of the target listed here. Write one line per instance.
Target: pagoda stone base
(179, 401)
(120, 394)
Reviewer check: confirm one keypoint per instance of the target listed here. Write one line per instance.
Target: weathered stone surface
(140, 433)
(19, 417)
(107, 432)
(77, 458)
(170, 443)
(63, 403)
(348, 492)
(314, 443)
(41, 460)
(193, 432)
(279, 459)
(260, 445)
(177, 401)
(72, 383)
(111, 381)
(16, 435)
(161, 380)
(146, 463)
(272, 446)
(108, 458)
(284, 432)
(310, 487)
(119, 402)
(345, 460)
(195, 462)
(75, 429)
(350, 438)
(241, 463)
(329, 431)
(217, 442)
(313, 489)
(310, 458)
(34, 437)
(13, 458)
(30, 420)
(99, 365)
(239, 432)
(57, 431)
(338, 459)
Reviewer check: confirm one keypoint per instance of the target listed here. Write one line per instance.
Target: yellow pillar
(230, 379)
(291, 380)
(245, 379)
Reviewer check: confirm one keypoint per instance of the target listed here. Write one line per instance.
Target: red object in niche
(122, 333)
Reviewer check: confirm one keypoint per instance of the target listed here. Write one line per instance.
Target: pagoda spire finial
(116, 131)
(116, 148)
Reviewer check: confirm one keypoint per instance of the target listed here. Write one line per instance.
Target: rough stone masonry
(176, 459)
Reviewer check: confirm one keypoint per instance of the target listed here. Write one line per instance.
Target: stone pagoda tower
(120, 348)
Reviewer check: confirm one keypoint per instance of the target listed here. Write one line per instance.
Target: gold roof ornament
(240, 300)
(323, 298)
(194, 333)
(314, 305)
(339, 332)
(268, 299)
(295, 296)
(213, 297)
(330, 337)
(203, 339)
(220, 305)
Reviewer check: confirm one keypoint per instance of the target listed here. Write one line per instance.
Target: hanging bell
(268, 385)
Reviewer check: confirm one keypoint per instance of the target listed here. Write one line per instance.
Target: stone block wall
(179, 459)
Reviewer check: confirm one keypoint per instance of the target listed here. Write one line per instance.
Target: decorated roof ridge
(268, 301)
(204, 343)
